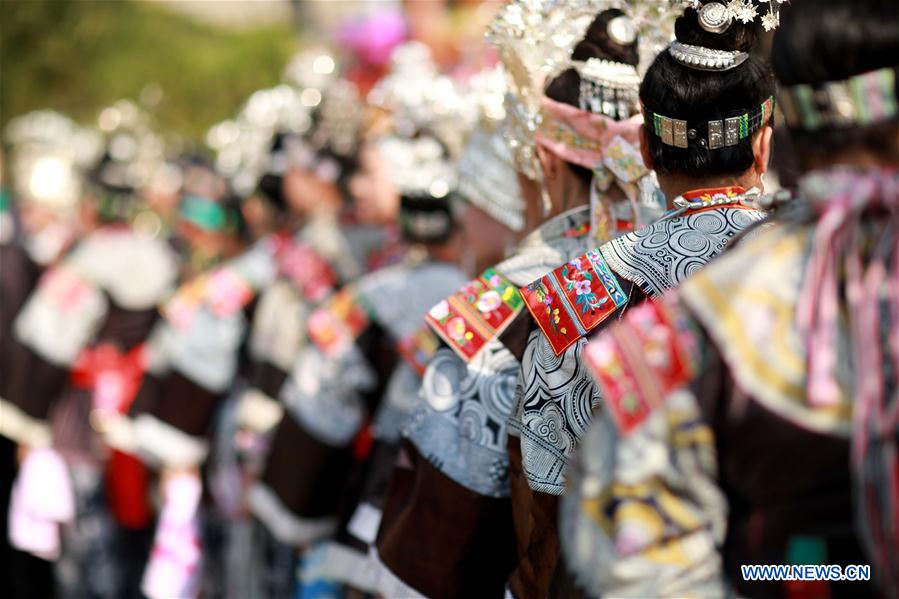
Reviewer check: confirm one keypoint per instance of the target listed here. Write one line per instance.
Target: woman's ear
(761, 149)
(548, 161)
(644, 147)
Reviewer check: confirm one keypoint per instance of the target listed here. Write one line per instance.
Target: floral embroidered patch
(573, 299)
(641, 360)
(418, 347)
(311, 274)
(64, 288)
(334, 327)
(477, 313)
(225, 291)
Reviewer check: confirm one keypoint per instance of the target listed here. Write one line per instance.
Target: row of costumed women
(542, 329)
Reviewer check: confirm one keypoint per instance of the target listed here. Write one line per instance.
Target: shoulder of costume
(226, 289)
(310, 272)
(651, 353)
(573, 299)
(136, 271)
(418, 347)
(335, 325)
(477, 313)
(332, 243)
(62, 314)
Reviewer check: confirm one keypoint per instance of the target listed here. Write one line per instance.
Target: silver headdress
(487, 178)
(315, 109)
(333, 100)
(706, 59)
(243, 143)
(424, 178)
(717, 17)
(136, 152)
(609, 88)
(486, 170)
(535, 39)
(48, 153)
(420, 98)
(418, 166)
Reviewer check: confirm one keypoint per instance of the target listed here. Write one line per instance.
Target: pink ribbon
(580, 137)
(849, 203)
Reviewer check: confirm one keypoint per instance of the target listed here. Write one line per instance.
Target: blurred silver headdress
(48, 154)
(315, 109)
(242, 144)
(135, 151)
(486, 170)
(419, 166)
(420, 98)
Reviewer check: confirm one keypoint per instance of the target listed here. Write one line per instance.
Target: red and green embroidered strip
(477, 313)
(640, 361)
(573, 299)
(418, 348)
(334, 327)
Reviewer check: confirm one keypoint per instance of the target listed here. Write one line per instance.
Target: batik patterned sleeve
(644, 515)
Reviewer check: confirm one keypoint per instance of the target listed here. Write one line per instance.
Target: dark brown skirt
(442, 539)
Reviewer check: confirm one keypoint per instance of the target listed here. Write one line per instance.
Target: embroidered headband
(861, 100)
(607, 147)
(721, 132)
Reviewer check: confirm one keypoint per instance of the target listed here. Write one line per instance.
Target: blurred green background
(78, 56)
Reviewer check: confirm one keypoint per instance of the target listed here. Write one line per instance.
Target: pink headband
(580, 137)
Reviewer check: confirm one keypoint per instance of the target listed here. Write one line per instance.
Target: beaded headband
(862, 100)
(721, 132)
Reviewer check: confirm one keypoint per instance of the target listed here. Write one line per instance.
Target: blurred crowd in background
(315, 299)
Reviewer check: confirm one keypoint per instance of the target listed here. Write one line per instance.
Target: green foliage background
(78, 56)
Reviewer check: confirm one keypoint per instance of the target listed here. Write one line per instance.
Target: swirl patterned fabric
(461, 426)
(661, 255)
(557, 394)
(461, 429)
(324, 392)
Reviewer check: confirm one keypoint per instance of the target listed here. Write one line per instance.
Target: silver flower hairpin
(716, 17)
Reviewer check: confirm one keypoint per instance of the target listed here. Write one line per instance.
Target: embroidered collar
(554, 242)
(716, 197)
(661, 255)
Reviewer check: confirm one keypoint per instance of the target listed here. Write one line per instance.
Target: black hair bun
(598, 43)
(737, 37)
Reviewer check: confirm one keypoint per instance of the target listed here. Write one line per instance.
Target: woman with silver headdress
(706, 134)
(39, 192)
(762, 428)
(448, 521)
(258, 302)
(78, 362)
(355, 379)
